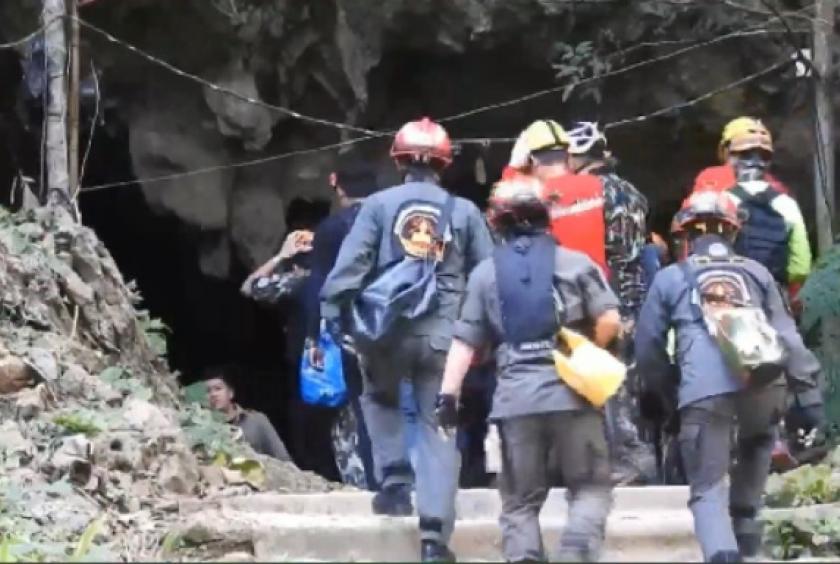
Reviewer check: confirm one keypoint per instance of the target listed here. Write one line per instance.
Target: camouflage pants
(633, 458)
(632, 454)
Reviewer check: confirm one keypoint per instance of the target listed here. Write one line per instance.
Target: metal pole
(73, 95)
(824, 126)
(56, 128)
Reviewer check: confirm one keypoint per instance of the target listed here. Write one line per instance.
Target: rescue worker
(516, 301)
(393, 224)
(717, 387)
(625, 211)
(774, 232)
(575, 201)
(724, 176)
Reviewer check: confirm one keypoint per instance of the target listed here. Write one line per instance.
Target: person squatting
(561, 282)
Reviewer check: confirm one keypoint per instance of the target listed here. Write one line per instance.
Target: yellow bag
(590, 371)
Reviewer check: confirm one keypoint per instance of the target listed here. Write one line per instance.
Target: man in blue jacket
(713, 391)
(353, 182)
(400, 223)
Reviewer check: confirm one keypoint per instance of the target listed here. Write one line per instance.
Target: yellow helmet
(545, 134)
(742, 134)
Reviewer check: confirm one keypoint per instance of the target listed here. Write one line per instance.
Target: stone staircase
(646, 524)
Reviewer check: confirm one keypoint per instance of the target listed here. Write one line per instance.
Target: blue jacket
(703, 370)
(395, 222)
(326, 243)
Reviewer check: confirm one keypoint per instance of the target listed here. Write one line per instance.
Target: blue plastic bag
(326, 387)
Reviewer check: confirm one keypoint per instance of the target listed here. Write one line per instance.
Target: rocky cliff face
(375, 64)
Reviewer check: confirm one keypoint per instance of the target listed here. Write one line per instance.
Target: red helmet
(710, 212)
(517, 203)
(423, 141)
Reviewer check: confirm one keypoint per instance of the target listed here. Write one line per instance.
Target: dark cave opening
(212, 324)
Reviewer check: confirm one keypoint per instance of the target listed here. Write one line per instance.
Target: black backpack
(764, 234)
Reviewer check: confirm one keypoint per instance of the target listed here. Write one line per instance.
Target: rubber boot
(725, 556)
(433, 551)
(393, 500)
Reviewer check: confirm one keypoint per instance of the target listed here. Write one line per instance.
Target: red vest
(576, 208)
(722, 177)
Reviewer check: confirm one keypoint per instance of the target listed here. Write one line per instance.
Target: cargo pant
(535, 448)
(419, 360)
(725, 514)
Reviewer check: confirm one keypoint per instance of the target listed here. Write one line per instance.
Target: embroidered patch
(415, 229)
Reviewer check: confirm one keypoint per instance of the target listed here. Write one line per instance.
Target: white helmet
(584, 136)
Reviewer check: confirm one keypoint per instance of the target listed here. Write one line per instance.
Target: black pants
(724, 516)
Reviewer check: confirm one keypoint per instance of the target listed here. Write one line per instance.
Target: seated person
(257, 430)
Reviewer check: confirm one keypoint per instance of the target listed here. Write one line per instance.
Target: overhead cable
(475, 140)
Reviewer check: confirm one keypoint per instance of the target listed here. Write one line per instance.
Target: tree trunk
(55, 44)
(824, 126)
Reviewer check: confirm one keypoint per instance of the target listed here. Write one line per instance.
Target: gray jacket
(703, 369)
(527, 380)
(258, 432)
(395, 222)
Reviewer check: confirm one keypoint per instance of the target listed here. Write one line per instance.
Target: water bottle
(492, 451)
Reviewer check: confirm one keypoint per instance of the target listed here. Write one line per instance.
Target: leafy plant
(83, 547)
(208, 432)
(197, 393)
(576, 63)
(171, 542)
(156, 332)
(786, 539)
(78, 422)
(806, 485)
(251, 471)
(120, 379)
(820, 325)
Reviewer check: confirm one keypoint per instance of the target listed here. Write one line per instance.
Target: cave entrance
(211, 324)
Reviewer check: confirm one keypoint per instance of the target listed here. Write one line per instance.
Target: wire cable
(475, 140)
(822, 165)
(218, 88)
(698, 99)
(748, 32)
(216, 168)
(28, 37)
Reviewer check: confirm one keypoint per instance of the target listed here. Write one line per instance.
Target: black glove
(446, 409)
(805, 417)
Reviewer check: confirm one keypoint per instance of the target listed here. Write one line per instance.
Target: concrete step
(647, 524)
(643, 536)
(470, 504)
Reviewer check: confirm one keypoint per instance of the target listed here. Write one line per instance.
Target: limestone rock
(15, 375)
(179, 472)
(237, 117)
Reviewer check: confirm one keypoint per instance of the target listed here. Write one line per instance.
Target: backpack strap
(444, 220)
(694, 297)
(766, 196)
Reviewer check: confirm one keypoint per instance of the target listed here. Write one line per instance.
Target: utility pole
(73, 109)
(824, 196)
(55, 46)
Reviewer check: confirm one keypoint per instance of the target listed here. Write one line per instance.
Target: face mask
(750, 165)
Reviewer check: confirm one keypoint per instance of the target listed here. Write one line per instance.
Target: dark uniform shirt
(394, 223)
(325, 246)
(704, 372)
(527, 380)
